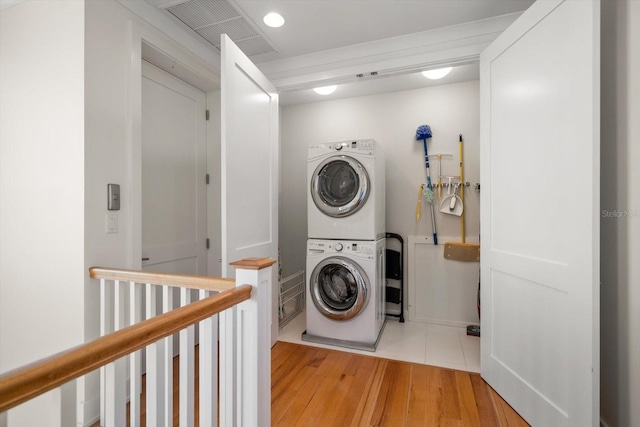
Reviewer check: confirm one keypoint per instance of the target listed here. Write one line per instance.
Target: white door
(250, 147)
(540, 213)
(173, 174)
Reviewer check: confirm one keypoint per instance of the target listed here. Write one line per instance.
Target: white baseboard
(90, 411)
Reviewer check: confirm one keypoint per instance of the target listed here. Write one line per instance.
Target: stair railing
(242, 371)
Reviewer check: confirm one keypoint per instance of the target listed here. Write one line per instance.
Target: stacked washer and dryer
(346, 246)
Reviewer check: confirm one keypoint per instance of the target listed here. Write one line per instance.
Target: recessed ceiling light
(325, 90)
(436, 74)
(273, 19)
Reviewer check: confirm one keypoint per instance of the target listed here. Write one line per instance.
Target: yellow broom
(467, 252)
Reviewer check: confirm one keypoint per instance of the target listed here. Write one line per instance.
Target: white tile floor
(430, 344)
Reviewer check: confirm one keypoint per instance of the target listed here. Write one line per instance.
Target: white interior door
(540, 213)
(173, 174)
(250, 147)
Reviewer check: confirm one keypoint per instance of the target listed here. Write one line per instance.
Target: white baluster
(208, 369)
(154, 376)
(135, 375)
(103, 332)
(228, 368)
(187, 361)
(167, 368)
(116, 372)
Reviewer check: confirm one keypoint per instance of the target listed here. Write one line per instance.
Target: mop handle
(426, 163)
(433, 221)
(426, 156)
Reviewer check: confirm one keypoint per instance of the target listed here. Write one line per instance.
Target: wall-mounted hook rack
(466, 184)
(442, 155)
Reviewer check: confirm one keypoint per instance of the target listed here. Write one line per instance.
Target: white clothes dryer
(346, 198)
(345, 292)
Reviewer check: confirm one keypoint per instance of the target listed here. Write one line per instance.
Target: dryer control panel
(361, 249)
(360, 146)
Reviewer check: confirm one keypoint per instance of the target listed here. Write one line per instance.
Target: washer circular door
(340, 186)
(339, 288)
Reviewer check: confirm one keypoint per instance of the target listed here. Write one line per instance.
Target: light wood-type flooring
(313, 386)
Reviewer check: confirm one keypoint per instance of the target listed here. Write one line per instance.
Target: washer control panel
(361, 249)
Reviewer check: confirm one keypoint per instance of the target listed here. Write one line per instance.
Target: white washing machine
(345, 292)
(346, 198)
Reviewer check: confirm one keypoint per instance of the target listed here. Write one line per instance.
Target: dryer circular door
(340, 186)
(338, 288)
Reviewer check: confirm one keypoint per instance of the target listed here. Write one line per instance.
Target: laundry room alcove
(440, 294)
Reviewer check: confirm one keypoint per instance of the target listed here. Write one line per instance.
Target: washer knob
(338, 147)
(338, 247)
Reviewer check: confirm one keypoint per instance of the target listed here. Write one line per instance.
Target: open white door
(249, 156)
(540, 156)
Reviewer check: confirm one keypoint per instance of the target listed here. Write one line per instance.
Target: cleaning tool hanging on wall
(439, 184)
(440, 156)
(452, 204)
(424, 132)
(469, 252)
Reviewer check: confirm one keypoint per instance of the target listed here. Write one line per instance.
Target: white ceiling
(314, 26)
(319, 25)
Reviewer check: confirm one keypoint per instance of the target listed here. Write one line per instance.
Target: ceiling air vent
(210, 18)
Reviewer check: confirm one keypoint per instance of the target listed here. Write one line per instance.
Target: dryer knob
(338, 147)
(338, 247)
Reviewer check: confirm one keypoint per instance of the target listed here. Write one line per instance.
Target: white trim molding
(454, 45)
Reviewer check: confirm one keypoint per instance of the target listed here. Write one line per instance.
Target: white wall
(108, 159)
(41, 183)
(391, 119)
(620, 182)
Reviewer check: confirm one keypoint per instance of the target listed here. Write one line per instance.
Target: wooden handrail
(180, 280)
(27, 382)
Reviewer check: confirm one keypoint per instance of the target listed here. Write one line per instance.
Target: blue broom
(424, 132)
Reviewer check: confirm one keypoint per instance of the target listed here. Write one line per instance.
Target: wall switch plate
(112, 223)
(113, 197)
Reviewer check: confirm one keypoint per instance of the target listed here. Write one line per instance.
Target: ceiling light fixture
(273, 19)
(436, 74)
(325, 90)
